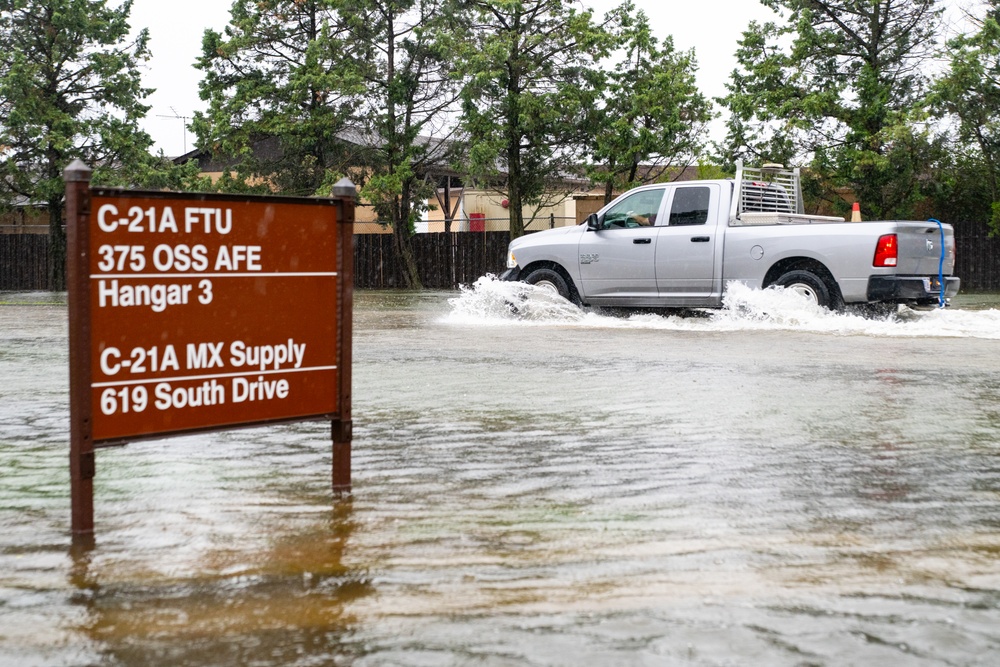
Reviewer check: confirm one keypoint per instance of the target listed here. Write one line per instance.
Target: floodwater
(767, 485)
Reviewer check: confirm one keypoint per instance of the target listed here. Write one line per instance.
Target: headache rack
(770, 195)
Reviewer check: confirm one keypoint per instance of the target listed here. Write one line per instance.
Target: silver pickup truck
(678, 245)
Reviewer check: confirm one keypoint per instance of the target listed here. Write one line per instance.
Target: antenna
(184, 120)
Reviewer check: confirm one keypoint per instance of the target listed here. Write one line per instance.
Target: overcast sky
(711, 27)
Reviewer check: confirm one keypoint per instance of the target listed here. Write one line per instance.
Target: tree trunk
(516, 215)
(403, 241)
(633, 170)
(447, 204)
(512, 137)
(57, 247)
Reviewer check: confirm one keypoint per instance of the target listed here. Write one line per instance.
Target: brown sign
(193, 312)
(210, 313)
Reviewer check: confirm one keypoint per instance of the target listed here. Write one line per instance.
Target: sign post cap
(344, 188)
(77, 170)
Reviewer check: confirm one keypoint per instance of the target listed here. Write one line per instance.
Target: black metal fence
(445, 261)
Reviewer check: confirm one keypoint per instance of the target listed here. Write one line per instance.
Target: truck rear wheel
(549, 280)
(808, 284)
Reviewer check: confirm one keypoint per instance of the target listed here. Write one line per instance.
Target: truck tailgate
(920, 248)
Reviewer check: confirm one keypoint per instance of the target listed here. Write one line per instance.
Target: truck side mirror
(593, 222)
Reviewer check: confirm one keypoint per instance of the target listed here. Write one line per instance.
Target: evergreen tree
(838, 82)
(970, 93)
(301, 92)
(531, 78)
(651, 112)
(278, 95)
(399, 50)
(69, 88)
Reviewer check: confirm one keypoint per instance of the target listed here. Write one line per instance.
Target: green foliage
(710, 171)
(398, 50)
(651, 113)
(531, 79)
(279, 94)
(69, 88)
(969, 93)
(961, 190)
(299, 90)
(838, 82)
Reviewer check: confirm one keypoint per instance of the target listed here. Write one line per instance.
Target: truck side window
(690, 206)
(637, 210)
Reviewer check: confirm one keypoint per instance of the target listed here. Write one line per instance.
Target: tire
(809, 285)
(549, 280)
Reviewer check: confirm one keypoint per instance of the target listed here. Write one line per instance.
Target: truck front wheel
(549, 280)
(808, 284)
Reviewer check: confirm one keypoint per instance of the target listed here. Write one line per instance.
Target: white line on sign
(214, 376)
(95, 276)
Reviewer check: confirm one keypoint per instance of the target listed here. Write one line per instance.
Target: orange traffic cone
(856, 212)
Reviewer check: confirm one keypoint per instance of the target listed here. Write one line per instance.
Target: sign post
(198, 312)
(342, 427)
(81, 442)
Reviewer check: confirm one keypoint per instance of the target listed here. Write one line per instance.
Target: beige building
(489, 211)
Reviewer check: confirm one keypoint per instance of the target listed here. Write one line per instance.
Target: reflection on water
(290, 600)
(770, 484)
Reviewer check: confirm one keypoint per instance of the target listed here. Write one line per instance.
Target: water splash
(491, 302)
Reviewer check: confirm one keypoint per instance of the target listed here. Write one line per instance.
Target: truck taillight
(886, 252)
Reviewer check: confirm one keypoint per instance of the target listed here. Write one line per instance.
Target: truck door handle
(641, 241)
(700, 239)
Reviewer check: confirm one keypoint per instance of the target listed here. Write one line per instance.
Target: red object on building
(477, 222)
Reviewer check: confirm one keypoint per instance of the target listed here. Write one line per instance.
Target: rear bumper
(910, 289)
